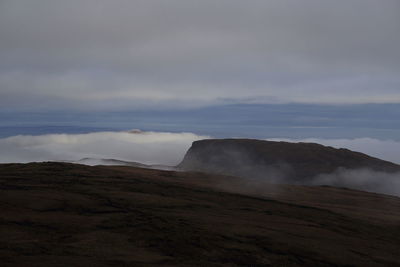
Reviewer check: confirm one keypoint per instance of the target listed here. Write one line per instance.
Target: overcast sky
(149, 54)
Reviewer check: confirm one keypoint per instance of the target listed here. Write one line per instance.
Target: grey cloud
(288, 51)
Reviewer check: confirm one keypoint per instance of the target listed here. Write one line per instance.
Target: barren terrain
(60, 214)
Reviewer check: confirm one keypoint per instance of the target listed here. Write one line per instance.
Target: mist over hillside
(292, 163)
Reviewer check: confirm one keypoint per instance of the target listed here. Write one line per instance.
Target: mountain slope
(283, 161)
(59, 214)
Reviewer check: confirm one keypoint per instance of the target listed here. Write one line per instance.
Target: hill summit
(292, 162)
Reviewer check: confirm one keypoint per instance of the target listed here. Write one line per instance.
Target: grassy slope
(56, 214)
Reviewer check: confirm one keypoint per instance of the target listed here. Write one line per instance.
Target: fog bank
(144, 147)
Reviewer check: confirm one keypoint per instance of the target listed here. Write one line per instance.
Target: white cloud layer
(169, 148)
(143, 147)
(150, 147)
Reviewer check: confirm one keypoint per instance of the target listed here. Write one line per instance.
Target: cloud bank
(169, 148)
(143, 147)
(150, 147)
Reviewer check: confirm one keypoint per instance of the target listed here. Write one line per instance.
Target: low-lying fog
(144, 147)
(169, 148)
(362, 179)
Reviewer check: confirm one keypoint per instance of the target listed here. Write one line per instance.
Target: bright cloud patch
(362, 179)
(143, 147)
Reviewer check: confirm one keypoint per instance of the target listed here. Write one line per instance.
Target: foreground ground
(56, 214)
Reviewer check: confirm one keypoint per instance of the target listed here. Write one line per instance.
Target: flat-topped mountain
(293, 162)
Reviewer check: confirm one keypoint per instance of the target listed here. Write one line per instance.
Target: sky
(289, 69)
(97, 54)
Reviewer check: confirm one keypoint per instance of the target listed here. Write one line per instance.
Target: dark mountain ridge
(292, 162)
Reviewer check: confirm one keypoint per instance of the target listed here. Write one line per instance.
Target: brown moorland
(60, 214)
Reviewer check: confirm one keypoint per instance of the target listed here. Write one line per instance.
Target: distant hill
(117, 162)
(100, 161)
(291, 162)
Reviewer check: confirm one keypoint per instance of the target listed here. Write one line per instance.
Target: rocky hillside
(292, 162)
